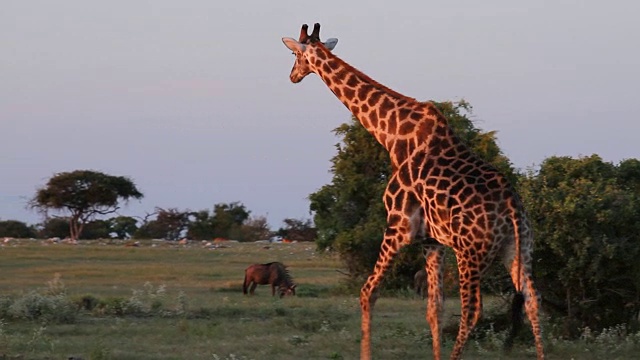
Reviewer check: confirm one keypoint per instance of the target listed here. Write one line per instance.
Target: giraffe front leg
(434, 259)
(393, 241)
(403, 221)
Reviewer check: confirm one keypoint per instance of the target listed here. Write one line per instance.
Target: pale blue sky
(192, 99)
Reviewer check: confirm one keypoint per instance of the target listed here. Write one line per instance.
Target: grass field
(163, 301)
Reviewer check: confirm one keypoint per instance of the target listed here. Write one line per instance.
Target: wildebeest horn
(315, 35)
(303, 34)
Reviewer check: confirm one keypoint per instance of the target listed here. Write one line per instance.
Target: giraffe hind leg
(434, 258)
(470, 306)
(529, 295)
(531, 306)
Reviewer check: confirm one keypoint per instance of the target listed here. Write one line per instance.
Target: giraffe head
(303, 47)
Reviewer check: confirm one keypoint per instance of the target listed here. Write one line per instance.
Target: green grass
(189, 305)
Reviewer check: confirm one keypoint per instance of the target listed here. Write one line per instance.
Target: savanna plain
(162, 300)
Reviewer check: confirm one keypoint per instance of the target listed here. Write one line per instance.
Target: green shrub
(36, 306)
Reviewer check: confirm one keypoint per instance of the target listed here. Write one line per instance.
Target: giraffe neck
(399, 123)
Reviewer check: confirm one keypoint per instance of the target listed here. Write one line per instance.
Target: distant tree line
(75, 204)
(168, 224)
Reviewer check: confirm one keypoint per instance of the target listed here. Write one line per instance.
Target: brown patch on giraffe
(337, 91)
(365, 108)
(393, 187)
(416, 115)
(326, 79)
(386, 106)
(403, 113)
(352, 81)
(364, 91)
(393, 127)
(321, 55)
(388, 202)
(337, 81)
(326, 69)
(441, 130)
(443, 162)
(349, 93)
(425, 128)
(444, 184)
(406, 128)
(374, 97)
(342, 73)
(373, 118)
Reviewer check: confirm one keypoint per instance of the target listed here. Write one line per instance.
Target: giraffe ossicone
(439, 188)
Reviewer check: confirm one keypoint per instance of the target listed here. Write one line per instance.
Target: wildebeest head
(283, 289)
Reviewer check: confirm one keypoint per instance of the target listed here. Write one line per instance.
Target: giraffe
(438, 187)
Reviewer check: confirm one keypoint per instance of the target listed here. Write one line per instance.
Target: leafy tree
(254, 228)
(349, 213)
(170, 224)
(585, 213)
(55, 227)
(123, 226)
(96, 229)
(298, 229)
(200, 225)
(228, 219)
(83, 194)
(16, 229)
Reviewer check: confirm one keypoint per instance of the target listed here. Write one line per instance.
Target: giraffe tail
(516, 319)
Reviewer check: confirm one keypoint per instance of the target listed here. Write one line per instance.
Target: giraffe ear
(331, 43)
(293, 44)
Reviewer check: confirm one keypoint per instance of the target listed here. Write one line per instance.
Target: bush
(51, 308)
(585, 215)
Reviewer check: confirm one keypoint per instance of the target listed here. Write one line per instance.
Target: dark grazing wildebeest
(273, 273)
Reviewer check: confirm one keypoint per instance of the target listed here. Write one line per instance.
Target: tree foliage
(170, 224)
(585, 213)
(83, 194)
(227, 220)
(123, 227)
(16, 229)
(298, 230)
(55, 227)
(349, 213)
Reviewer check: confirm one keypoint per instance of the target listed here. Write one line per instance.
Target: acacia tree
(82, 195)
